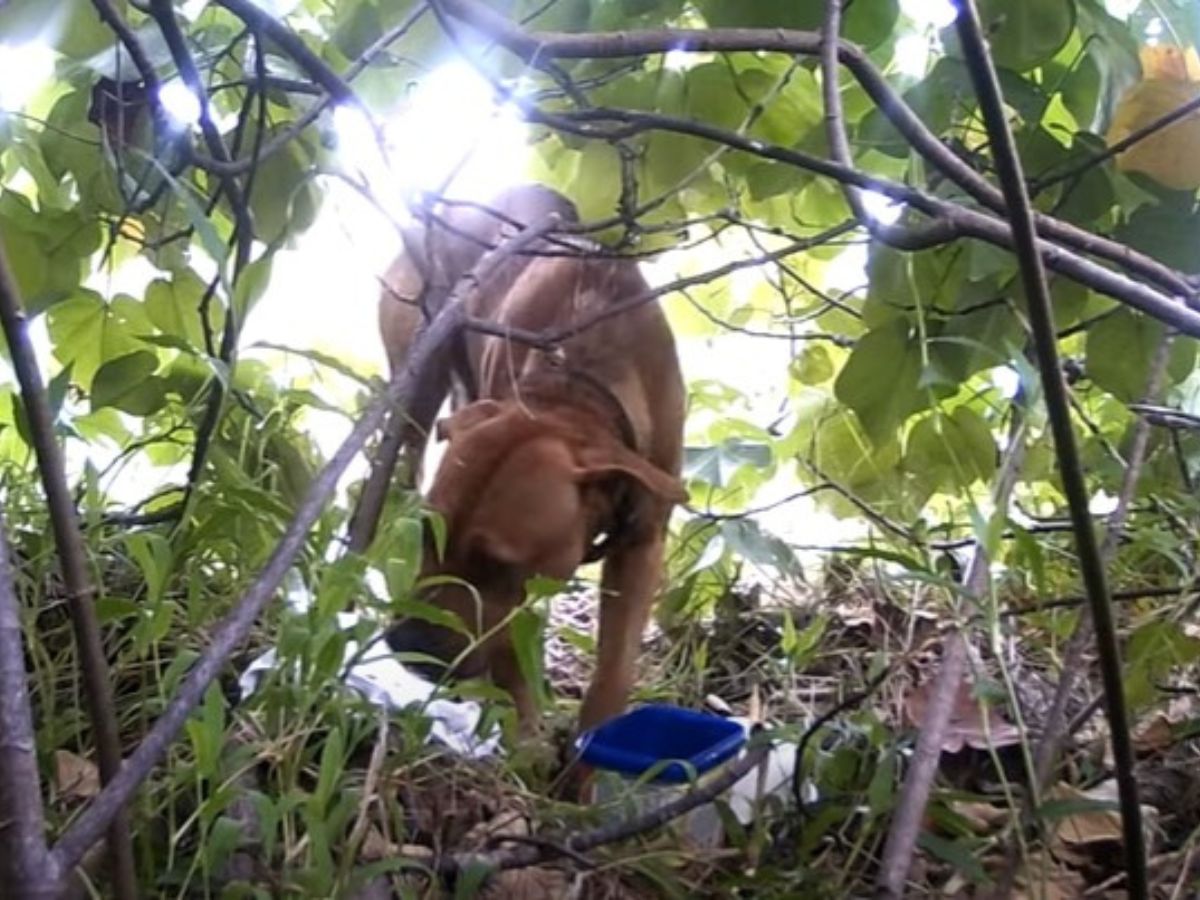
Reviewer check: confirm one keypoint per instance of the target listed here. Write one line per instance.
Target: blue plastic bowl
(636, 742)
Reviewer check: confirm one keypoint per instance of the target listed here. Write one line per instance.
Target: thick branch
(290, 43)
(1008, 169)
(937, 232)
(73, 557)
(25, 865)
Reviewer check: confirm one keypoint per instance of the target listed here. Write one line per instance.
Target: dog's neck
(576, 393)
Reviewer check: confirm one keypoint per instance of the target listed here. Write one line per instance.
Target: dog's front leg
(627, 589)
(506, 673)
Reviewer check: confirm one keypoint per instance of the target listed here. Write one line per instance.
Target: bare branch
(1037, 185)
(26, 868)
(370, 505)
(537, 46)
(968, 222)
(73, 557)
(620, 830)
(1091, 563)
(232, 630)
(936, 232)
(291, 44)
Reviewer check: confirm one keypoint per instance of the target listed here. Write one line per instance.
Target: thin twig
(1037, 185)
(918, 783)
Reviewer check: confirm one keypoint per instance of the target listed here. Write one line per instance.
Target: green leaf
(251, 284)
(844, 453)
(748, 540)
(206, 730)
(813, 365)
(1120, 348)
(954, 450)
(174, 307)
(959, 854)
(71, 27)
(23, 251)
(1154, 650)
(935, 99)
(329, 775)
(879, 380)
(284, 199)
(1022, 34)
(1169, 231)
(719, 464)
(403, 538)
(525, 630)
(85, 331)
(128, 383)
(154, 556)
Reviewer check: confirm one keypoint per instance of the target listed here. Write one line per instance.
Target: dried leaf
(1168, 81)
(528, 884)
(1042, 878)
(1088, 825)
(75, 778)
(967, 727)
(1154, 735)
(981, 818)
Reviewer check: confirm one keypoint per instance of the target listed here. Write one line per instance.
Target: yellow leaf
(1165, 62)
(1168, 156)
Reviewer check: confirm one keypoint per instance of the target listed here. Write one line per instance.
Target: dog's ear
(603, 460)
(467, 418)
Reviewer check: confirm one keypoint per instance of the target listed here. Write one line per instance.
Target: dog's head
(522, 495)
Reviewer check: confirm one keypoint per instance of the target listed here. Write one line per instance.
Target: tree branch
(620, 830)
(1037, 185)
(914, 793)
(72, 554)
(968, 222)
(936, 232)
(370, 505)
(232, 630)
(1008, 168)
(26, 868)
(538, 46)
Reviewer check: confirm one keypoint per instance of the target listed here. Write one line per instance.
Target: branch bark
(72, 554)
(26, 868)
(1008, 167)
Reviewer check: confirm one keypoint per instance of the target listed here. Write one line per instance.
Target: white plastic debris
(385, 682)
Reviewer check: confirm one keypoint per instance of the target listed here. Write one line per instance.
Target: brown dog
(554, 458)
